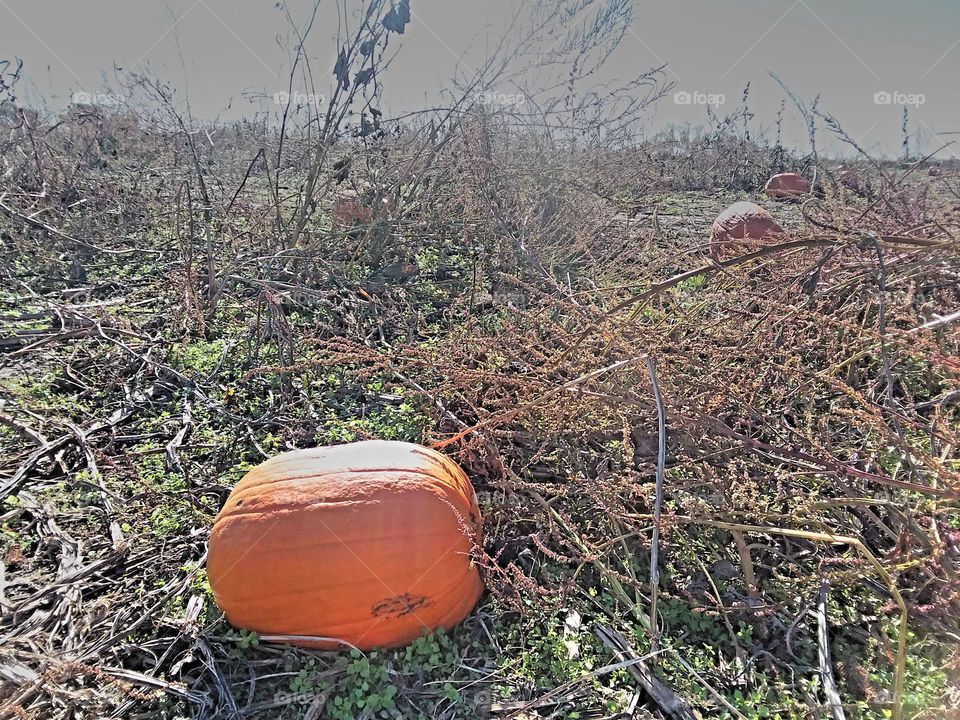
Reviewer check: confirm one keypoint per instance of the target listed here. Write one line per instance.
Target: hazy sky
(847, 51)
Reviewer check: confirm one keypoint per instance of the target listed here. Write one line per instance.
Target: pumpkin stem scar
(399, 606)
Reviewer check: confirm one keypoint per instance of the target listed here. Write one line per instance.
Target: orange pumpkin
(349, 209)
(853, 181)
(786, 186)
(367, 544)
(742, 227)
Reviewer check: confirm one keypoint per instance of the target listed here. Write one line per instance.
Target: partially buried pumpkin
(786, 186)
(367, 544)
(742, 227)
(349, 209)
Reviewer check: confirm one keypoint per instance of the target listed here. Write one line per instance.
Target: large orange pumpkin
(368, 543)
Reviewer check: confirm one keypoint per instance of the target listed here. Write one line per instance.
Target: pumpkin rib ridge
(349, 582)
(235, 567)
(315, 545)
(469, 530)
(249, 602)
(343, 630)
(299, 507)
(456, 554)
(270, 482)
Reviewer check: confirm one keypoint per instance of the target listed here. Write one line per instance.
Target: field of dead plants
(710, 489)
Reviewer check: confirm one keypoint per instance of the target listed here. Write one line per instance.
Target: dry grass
(153, 348)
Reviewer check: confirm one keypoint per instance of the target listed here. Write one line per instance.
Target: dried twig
(823, 653)
(510, 414)
(657, 504)
(665, 698)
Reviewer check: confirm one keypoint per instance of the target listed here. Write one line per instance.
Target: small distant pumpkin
(742, 227)
(349, 209)
(853, 181)
(786, 185)
(360, 207)
(367, 544)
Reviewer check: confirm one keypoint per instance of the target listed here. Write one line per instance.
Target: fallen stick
(657, 504)
(37, 225)
(829, 538)
(823, 654)
(937, 323)
(565, 692)
(665, 698)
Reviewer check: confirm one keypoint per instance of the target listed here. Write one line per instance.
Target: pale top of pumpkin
(347, 473)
